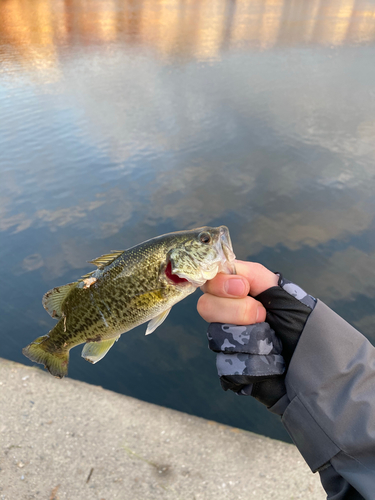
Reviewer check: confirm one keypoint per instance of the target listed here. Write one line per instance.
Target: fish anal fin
(53, 299)
(106, 259)
(157, 321)
(95, 351)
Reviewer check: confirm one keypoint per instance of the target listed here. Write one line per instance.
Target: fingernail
(235, 287)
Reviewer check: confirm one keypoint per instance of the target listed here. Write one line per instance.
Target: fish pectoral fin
(53, 299)
(95, 351)
(106, 259)
(157, 321)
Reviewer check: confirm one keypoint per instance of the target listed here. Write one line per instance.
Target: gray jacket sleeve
(329, 409)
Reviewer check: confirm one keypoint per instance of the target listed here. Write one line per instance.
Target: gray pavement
(63, 439)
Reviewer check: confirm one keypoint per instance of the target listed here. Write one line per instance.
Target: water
(122, 120)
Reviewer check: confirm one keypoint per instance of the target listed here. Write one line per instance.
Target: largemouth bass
(128, 288)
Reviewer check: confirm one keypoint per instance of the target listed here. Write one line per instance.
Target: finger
(251, 278)
(259, 277)
(227, 285)
(245, 311)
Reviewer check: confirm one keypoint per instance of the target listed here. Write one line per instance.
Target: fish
(127, 289)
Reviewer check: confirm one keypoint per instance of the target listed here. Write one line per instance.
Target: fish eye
(205, 238)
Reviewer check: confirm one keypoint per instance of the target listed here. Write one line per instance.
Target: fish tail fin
(56, 362)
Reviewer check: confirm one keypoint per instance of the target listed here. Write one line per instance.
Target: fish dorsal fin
(95, 351)
(88, 275)
(157, 321)
(106, 259)
(53, 299)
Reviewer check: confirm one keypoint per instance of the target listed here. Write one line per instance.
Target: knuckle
(259, 268)
(204, 306)
(248, 311)
(201, 304)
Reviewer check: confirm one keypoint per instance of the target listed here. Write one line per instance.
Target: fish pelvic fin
(157, 321)
(95, 351)
(55, 362)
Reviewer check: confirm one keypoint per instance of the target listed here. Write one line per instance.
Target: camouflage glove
(249, 359)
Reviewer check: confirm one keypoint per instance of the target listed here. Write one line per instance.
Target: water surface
(121, 120)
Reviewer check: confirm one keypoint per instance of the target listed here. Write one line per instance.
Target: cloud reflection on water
(163, 111)
(124, 120)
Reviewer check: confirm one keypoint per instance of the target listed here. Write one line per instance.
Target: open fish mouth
(219, 259)
(228, 266)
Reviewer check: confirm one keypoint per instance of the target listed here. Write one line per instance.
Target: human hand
(226, 297)
(248, 356)
(241, 350)
(284, 305)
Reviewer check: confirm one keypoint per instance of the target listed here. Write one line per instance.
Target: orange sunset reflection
(38, 32)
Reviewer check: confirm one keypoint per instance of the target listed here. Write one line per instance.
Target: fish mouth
(220, 260)
(227, 263)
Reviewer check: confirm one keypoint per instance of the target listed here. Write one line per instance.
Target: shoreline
(65, 439)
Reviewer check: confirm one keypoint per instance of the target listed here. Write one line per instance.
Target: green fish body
(127, 289)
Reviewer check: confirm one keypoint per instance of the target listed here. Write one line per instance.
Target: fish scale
(129, 288)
